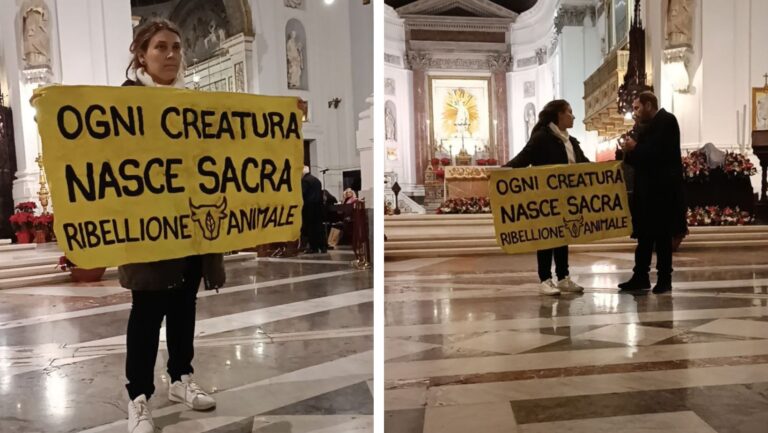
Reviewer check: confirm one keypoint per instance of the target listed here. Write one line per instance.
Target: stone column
(499, 65)
(419, 62)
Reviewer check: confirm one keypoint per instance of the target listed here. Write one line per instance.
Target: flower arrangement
(714, 216)
(445, 161)
(492, 161)
(471, 205)
(434, 161)
(22, 221)
(738, 165)
(695, 166)
(43, 222)
(440, 173)
(481, 162)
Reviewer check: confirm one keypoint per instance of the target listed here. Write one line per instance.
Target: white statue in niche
(390, 124)
(294, 52)
(679, 23)
(530, 119)
(36, 42)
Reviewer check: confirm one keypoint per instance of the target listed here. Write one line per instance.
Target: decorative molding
(392, 59)
(675, 62)
(500, 62)
(294, 4)
(681, 54)
(527, 62)
(418, 60)
(480, 8)
(461, 24)
(454, 63)
(573, 16)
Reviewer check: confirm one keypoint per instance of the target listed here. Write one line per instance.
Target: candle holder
(43, 195)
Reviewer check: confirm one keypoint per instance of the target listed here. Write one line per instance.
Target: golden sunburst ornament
(460, 109)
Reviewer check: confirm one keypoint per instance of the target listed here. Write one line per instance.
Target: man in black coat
(658, 206)
(312, 213)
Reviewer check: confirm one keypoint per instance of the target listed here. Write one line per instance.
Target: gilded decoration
(464, 173)
(460, 111)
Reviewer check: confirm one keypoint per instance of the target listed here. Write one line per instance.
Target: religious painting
(296, 55)
(460, 113)
(529, 89)
(620, 17)
(203, 31)
(759, 108)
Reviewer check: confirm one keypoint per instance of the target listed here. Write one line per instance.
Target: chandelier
(634, 79)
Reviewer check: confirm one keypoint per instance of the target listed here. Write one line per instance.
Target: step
(462, 240)
(593, 247)
(37, 275)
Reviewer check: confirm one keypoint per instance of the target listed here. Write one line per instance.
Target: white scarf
(147, 80)
(563, 135)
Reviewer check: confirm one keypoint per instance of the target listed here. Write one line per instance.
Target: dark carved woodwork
(7, 171)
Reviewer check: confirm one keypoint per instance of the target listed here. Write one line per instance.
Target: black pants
(644, 251)
(147, 312)
(312, 230)
(545, 263)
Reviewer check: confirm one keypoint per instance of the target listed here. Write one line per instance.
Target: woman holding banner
(166, 288)
(550, 144)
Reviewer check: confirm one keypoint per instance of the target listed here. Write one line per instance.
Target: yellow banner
(141, 174)
(550, 206)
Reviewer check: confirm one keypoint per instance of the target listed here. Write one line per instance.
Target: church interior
(286, 344)
(464, 84)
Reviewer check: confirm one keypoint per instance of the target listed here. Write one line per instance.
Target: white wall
(329, 64)
(405, 165)
(94, 36)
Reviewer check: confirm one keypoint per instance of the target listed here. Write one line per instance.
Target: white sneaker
(567, 285)
(139, 416)
(548, 288)
(188, 392)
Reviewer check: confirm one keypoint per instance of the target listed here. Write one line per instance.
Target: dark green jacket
(169, 274)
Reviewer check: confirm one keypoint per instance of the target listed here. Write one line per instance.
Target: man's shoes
(567, 285)
(139, 416)
(188, 392)
(663, 285)
(548, 288)
(637, 282)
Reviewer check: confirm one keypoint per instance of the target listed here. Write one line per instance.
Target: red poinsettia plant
(445, 161)
(43, 221)
(470, 205)
(22, 221)
(481, 162)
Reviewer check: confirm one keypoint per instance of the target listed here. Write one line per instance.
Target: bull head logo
(209, 217)
(574, 226)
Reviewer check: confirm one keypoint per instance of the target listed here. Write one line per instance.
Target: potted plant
(80, 275)
(42, 224)
(22, 221)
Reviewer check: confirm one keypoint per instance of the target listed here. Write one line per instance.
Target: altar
(467, 181)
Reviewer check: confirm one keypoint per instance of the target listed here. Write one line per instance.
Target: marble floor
(471, 346)
(285, 347)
